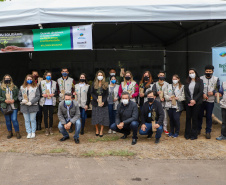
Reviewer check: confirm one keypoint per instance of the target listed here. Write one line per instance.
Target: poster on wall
(219, 62)
(65, 38)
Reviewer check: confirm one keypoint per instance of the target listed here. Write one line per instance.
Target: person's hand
(51, 95)
(156, 126)
(219, 94)
(86, 108)
(11, 101)
(7, 101)
(170, 98)
(24, 101)
(44, 95)
(204, 96)
(120, 125)
(162, 99)
(176, 98)
(74, 93)
(28, 103)
(193, 102)
(115, 99)
(143, 127)
(102, 104)
(141, 95)
(67, 126)
(210, 93)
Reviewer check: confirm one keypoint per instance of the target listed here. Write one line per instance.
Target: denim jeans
(112, 114)
(127, 128)
(83, 116)
(12, 118)
(174, 121)
(64, 132)
(148, 131)
(30, 122)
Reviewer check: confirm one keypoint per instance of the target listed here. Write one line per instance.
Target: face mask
(82, 80)
(68, 102)
(150, 100)
(208, 75)
(29, 81)
(7, 81)
(175, 81)
(100, 78)
(127, 78)
(125, 101)
(64, 74)
(162, 78)
(48, 77)
(146, 78)
(192, 75)
(112, 74)
(113, 81)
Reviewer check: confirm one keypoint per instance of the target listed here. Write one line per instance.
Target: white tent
(27, 12)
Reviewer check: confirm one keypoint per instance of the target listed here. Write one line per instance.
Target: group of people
(117, 102)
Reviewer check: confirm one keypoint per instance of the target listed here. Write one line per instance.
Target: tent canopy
(26, 12)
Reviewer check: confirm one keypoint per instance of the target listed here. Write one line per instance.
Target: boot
(51, 131)
(10, 134)
(82, 131)
(47, 132)
(18, 136)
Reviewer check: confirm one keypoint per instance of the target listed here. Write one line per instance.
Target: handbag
(8, 110)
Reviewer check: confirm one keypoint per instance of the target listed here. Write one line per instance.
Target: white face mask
(175, 81)
(192, 75)
(100, 78)
(125, 101)
(112, 74)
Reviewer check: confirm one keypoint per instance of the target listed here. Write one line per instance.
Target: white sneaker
(109, 131)
(29, 136)
(114, 132)
(32, 135)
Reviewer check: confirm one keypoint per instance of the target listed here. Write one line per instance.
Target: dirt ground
(111, 145)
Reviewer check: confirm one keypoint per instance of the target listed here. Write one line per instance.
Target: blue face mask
(48, 77)
(113, 81)
(64, 74)
(68, 102)
(29, 81)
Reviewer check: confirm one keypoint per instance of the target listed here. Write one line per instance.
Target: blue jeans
(112, 114)
(209, 110)
(174, 121)
(127, 128)
(65, 133)
(12, 117)
(83, 116)
(148, 131)
(30, 118)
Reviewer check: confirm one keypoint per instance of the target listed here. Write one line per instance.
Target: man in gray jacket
(68, 114)
(126, 118)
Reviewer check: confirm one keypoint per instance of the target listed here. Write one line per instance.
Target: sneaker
(47, 132)
(170, 134)
(166, 132)
(208, 136)
(109, 131)
(51, 131)
(29, 136)
(114, 132)
(175, 135)
(32, 135)
(157, 140)
(221, 138)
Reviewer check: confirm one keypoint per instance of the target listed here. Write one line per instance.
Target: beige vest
(115, 95)
(81, 93)
(43, 91)
(32, 92)
(66, 85)
(129, 88)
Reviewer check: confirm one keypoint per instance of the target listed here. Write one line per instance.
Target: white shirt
(48, 101)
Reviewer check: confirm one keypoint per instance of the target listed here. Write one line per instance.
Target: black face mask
(82, 80)
(146, 78)
(127, 77)
(208, 75)
(162, 78)
(7, 81)
(150, 100)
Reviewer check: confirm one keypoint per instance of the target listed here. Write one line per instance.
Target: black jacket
(94, 94)
(126, 114)
(198, 92)
(157, 106)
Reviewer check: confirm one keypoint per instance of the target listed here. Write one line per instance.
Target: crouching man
(126, 118)
(68, 114)
(152, 111)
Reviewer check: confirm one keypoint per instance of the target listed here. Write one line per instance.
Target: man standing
(126, 118)
(112, 72)
(211, 86)
(68, 114)
(152, 111)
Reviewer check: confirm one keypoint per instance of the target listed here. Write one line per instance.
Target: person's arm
(77, 114)
(134, 115)
(55, 93)
(20, 97)
(60, 115)
(15, 95)
(199, 95)
(217, 87)
(37, 97)
(120, 90)
(166, 95)
(187, 95)
(142, 116)
(105, 95)
(2, 97)
(73, 87)
(40, 89)
(182, 96)
(221, 90)
(136, 93)
(58, 88)
(160, 113)
(88, 97)
(93, 93)
(117, 116)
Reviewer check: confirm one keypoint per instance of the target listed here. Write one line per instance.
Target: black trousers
(192, 113)
(39, 115)
(223, 127)
(48, 113)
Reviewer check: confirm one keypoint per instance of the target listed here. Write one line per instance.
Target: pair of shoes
(157, 140)
(134, 141)
(114, 132)
(82, 132)
(221, 138)
(149, 136)
(97, 134)
(170, 134)
(47, 132)
(187, 137)
(101, 135)
(64, 138)
(10, 135)
(32, 135)
(123, 137)
(71, 129)
(166, 132)
(175, 135)
(29, 136)
(109, 131)
(51, 131)
(208, 136)
(199, 132)
(18, 136)
(77, 140)
(193, 138)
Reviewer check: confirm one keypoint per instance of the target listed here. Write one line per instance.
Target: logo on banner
(81, 34)
(223, 66)
(81, 29)
(223, 54)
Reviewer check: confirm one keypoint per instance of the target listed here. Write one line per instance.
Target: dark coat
(95, 94)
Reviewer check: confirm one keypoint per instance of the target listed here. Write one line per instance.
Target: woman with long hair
(29, 96)
(9, 96)
(99, 92)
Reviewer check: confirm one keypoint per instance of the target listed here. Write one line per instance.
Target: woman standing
(29, 96)
(174, 95)
(82, 95)
(112, 101)
(193, 94)
(9, 96)
(100, 115)
(130, 86)
(48, 91)
(146, 84)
